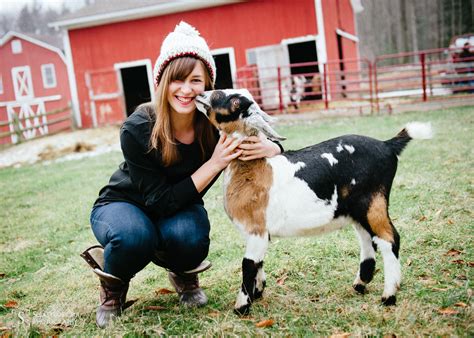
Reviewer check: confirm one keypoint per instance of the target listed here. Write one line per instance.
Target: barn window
(1, 84)
(16, 47)
(49, 75)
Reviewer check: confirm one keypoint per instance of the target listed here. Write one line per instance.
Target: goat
(310, 191)
(297, 90)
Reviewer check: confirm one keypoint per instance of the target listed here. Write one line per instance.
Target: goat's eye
(234, 104)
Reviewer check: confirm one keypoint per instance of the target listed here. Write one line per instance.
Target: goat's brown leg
(253, 277)
(388, 241)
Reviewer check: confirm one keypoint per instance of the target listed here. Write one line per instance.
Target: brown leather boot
(186, 285)
(113, 293)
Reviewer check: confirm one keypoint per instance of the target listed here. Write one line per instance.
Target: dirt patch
(52, 153)
(63, 146)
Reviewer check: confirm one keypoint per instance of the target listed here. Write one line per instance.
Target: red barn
(33, 82)
(112, 46)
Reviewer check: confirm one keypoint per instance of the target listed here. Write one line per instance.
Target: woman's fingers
(245, 157)
(253, 139)
(222, 138)
(234, 155)
(248, 146)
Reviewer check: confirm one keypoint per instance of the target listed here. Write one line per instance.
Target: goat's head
(234, 111)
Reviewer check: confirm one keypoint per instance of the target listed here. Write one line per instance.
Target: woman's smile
(184, 100)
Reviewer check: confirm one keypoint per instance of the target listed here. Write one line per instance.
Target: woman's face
(181, 93)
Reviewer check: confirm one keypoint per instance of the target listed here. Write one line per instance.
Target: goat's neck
(239, 165)
(245, 165)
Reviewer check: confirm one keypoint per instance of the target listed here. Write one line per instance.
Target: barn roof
(49, 42)
(109, 11)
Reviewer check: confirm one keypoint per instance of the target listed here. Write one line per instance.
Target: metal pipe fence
(361, 84)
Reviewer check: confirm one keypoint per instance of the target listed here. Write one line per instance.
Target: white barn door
(268, 58)
(27, 114)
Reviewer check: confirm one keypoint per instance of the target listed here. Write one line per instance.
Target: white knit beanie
(184, 41)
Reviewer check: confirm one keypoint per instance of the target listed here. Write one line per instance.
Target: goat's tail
(413, 130)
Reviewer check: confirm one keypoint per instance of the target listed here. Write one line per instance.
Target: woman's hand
(225, 151)
(258, 147)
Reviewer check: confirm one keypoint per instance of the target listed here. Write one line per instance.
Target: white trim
(103, 97)
(233, 67)
(347, 35)
(44, 69)
(159, 9)
(299, 39)
(321, 46)
(12, 34)
(87, 77)
(26, 83)
(72, 80)
(322, 57)
(357, 6)
(149, 71)
(34, 101)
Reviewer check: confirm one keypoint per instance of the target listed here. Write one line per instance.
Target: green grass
(44, 213)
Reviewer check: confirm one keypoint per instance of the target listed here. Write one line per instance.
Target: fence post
(325, 83)
(280, 96)
(16, 127)
(376, 85)
(371, 97)
(423, 75)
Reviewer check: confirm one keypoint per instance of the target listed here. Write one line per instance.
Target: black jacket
(143, 180)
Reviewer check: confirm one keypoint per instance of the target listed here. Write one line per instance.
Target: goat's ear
(255, 109)
(258, 122)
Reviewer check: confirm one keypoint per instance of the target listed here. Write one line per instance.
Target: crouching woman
(152, 209)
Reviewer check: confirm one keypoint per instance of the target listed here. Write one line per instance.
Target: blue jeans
(131, 239)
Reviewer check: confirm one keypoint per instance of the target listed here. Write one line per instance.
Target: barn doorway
(225, 64)
(303, 51)
(135, 87)
(136, 80)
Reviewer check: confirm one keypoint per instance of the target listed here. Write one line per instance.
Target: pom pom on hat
(185, 40)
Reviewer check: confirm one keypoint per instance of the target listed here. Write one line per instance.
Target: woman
(152, 208)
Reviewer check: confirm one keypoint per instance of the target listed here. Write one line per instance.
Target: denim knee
(128, 236)
(185, 238)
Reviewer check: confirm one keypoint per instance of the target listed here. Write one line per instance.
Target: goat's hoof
(243, 310)
(257, 295)
(360, 288)
(389, 301)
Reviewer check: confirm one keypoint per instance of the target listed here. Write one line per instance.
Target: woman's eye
(197, 80)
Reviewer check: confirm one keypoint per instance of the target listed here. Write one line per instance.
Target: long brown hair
(162, 137)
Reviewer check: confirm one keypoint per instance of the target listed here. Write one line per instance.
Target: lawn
(46, 288)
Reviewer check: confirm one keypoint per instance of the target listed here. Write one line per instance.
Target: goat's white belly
(293, 208)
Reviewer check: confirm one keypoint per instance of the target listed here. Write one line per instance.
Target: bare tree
(393, 26)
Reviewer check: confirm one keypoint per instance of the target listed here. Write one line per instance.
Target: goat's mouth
(201, 104)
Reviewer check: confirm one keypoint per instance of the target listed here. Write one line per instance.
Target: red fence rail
(361, 84)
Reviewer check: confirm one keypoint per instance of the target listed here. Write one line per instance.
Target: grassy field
(46, 288)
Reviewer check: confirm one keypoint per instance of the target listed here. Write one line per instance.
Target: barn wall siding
(240, 25)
